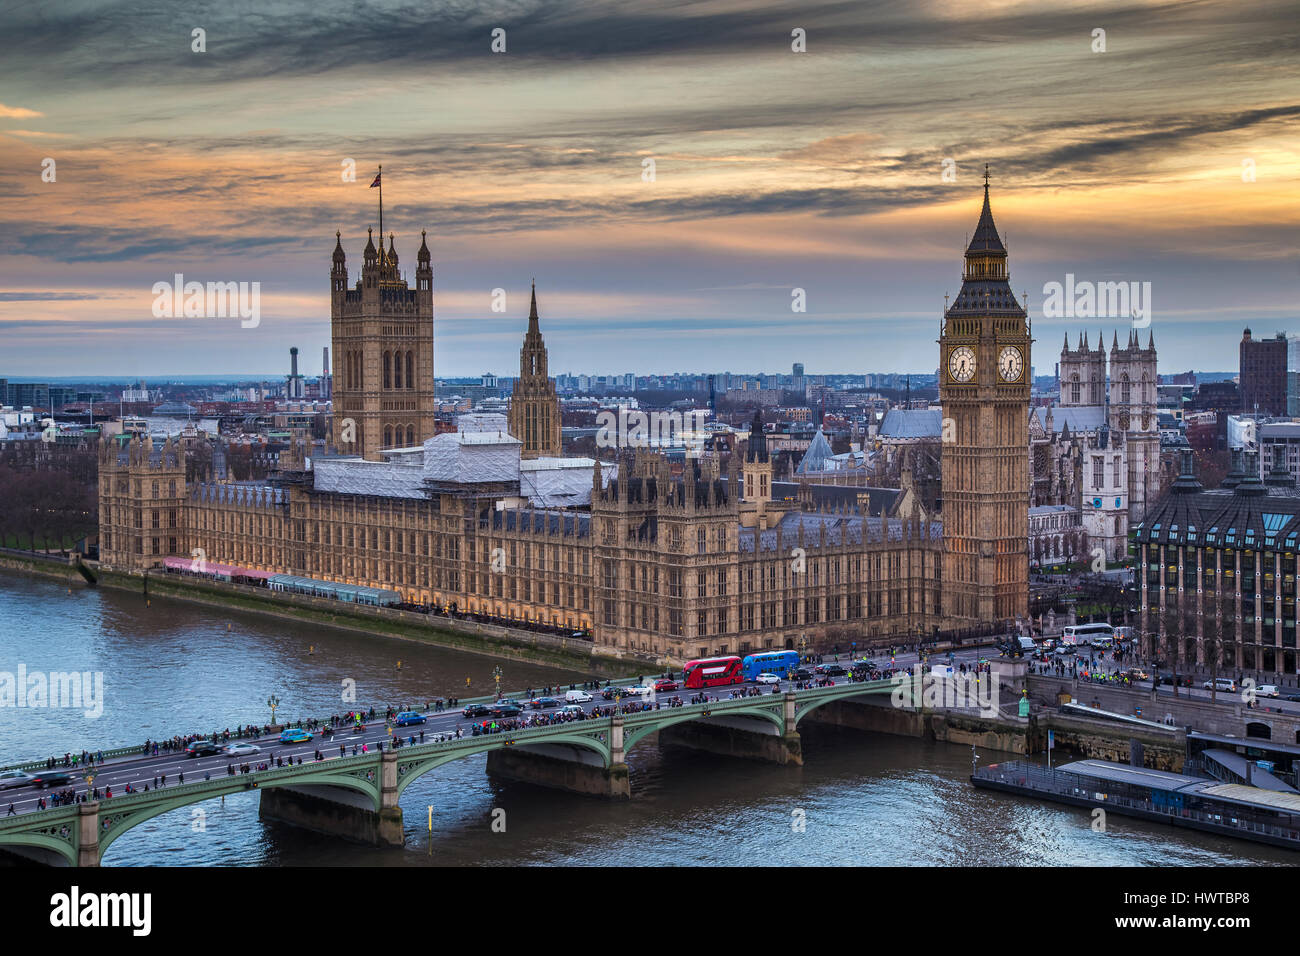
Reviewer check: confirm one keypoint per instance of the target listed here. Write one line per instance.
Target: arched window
(410, 370)
(1074, 388)
(1124, 390)
(155, 489)
(410, 435)
(388, 375)
(388, 429)
(397, 370)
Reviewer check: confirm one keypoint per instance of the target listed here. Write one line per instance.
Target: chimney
(293, 361)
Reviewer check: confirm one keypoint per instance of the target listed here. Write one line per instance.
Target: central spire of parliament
(534, 407)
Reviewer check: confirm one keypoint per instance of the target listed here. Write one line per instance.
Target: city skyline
(774, 171)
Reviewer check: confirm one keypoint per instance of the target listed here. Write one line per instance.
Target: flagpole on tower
(380, 180)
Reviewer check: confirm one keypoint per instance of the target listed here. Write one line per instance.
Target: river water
(859, 799)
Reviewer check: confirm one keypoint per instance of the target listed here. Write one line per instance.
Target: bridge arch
(596, 740)
(806, 706)
(680, 715)
(121, 815)
(57, 848)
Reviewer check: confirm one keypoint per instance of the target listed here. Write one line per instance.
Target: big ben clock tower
(984, 389)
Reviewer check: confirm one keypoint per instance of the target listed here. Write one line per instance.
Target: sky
(852, 171)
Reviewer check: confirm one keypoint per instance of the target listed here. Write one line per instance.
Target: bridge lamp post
(90, 785)
(273, 702)
(496, 676)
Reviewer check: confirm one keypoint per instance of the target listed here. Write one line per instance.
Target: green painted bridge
(357, 797)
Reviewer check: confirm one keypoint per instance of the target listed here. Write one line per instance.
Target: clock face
(1010, 364)
(961, 364)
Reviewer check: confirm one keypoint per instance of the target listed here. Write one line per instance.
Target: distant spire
(1151, 339)
(1114, 341)
(756, 448)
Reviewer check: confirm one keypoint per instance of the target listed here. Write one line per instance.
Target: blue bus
(780, 663)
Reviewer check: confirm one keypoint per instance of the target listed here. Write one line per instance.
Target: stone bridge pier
(566, 766)
(734, 735)
(341, 811)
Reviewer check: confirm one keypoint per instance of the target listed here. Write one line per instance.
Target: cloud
(47, 296)
(17, 112)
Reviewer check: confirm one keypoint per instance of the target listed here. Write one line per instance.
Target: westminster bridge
(355, 794)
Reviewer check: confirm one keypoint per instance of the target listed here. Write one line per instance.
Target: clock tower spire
(984, 353)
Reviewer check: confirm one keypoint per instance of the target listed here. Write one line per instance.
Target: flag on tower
(376, 182)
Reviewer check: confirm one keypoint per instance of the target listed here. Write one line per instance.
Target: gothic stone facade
(382, 335)
(680, 567)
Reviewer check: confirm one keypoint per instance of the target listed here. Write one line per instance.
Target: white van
(577, 697)
(1026, 644)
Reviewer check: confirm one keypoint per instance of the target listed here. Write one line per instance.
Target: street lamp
(496, 676)
(273, 702)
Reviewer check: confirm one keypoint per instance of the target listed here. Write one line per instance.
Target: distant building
(1279, 438)
(1216, 569)
(1263, 366)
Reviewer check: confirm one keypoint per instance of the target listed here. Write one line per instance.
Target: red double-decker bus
(712, 672)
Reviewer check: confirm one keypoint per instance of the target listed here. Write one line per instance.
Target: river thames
(859, 799)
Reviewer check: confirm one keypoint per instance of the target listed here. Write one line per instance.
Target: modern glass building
(1217, 571)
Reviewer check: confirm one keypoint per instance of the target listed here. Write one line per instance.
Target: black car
(832, 670)
(477, 710)
(506, 710)
(202, 748)
(803, 674)
(51, 778)
(543, 702)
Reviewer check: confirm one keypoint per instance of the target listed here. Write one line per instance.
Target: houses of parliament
(682, 564)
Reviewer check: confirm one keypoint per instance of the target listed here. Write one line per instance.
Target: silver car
(241, 750)
(14, 778)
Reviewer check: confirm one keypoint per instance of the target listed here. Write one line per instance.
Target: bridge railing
(258, 778)
(138, 750)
